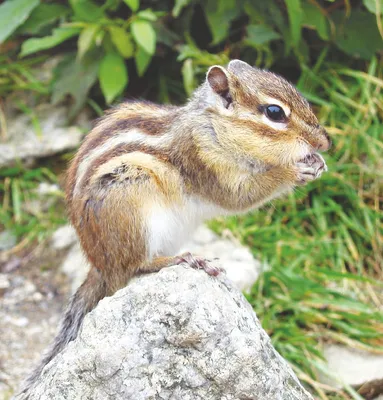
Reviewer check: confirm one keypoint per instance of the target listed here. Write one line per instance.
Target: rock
(19, 290)
(75, 266)
(64, 237)
(12, 264)
(4, 284)
(178, 334)
(7, 240)
(351, 366)
(24, 143)
(241, 267)
(17, 321)
(46, 188)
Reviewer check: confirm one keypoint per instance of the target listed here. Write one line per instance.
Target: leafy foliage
(13, 14)
(58, 36)
(113, 75)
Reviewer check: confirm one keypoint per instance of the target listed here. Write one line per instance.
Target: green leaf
(371, 6)
(178, 6)
(113, 76)
(12, 14)
(16, 199)
(295, 14)
(188, 76)
(144, 35)
(86, 39)
(111, 5)
(132, 4)
(166, 35)
(75, 77)
(122, 40)
(303, 52)
(267, 12)
(348, 34)
(58, 36)
(313, 18)
(148, 15)
(219, 15)
(86, 10)
(42, 16)
(142, 59)
(260, 34)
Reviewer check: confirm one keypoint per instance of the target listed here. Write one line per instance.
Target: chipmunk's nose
(324, 141)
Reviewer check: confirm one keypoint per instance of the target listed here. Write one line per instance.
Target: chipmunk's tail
(83, 301)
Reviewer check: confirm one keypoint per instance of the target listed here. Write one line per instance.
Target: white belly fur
(169, 228)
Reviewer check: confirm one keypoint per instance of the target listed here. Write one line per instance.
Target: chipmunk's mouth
(306, 149)
(315, 158)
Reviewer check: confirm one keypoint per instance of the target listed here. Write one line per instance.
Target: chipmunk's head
(260, 114)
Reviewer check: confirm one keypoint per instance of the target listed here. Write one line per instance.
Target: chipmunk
(147, 175)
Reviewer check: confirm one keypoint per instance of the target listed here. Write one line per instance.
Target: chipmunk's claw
(310, 168)
(198, 263)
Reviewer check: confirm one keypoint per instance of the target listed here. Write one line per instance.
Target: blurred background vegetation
(321, 246)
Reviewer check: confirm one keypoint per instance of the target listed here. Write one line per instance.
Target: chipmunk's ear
(238, 66)
(218, 80)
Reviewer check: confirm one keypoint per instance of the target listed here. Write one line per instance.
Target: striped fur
(147, 175)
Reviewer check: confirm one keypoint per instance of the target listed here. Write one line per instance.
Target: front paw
(199, 263)
(310, 168)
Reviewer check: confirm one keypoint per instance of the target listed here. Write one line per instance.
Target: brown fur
(219, 147)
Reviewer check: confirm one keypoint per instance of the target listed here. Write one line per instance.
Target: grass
(323, 244)
(26, 212)
(16, 76)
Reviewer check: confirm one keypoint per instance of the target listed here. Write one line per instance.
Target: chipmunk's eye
(275, 113)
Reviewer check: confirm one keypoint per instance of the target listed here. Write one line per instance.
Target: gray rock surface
(351, 366)
(7, 240)
(177, 334)
(75, 266)
(64, 237)
(24, 143)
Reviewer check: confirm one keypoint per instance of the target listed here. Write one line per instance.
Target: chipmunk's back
(130, 127)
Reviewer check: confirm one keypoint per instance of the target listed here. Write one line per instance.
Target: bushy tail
(83, 301)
